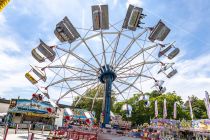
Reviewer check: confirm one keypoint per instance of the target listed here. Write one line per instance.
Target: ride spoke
(119, 59)
(73, 89)
(126, 62)
(79, 58)
(85, 71)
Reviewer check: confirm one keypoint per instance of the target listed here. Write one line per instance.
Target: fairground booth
(201, 125)
(35, 112)
(165, 123)
(78, 116)
(117, 122)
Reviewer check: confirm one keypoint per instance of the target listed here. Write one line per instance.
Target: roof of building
(3, 100)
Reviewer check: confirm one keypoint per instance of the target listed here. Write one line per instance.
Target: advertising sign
(30, 106)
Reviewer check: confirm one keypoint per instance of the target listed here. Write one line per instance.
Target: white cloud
(13, 62)
(134, 2)
(193, 77)
(8, 44)
(115, 2)
(2, 19)
(12, 72)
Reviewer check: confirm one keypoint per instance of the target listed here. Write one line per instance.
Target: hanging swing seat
(133, 17)
(31, 78)
(159, 32)
(39, 73)
(37, 55)
(164, 51)
(166, 67)
(46, 50)
(172, 73)
(100, 17)
(65, 31)
(174, 53)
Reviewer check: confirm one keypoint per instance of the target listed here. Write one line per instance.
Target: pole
(16, 129)
(190, 105)
(206, 101)
(156, 108)
(29, 128)
(206, 105)
(175, 110)
(106, 77)
(43, 129)
(164, 109)
(107, 99)
(5, 131)
(31, 136)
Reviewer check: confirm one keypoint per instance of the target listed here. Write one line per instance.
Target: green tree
(171, 98)
(86, 103)
(198, 106)
(142, 114)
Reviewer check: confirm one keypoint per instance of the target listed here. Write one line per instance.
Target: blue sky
(22, 23)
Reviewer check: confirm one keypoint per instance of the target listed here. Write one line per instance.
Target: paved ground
(23, 135)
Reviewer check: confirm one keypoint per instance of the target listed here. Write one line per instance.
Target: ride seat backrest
(159, 32)
(46, 51)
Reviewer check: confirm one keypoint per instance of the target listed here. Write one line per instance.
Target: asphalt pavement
(22, 134)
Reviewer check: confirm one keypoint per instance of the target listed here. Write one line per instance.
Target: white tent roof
(69, 111)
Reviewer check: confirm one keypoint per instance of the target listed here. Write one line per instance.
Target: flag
(191, 111)
(207, 108)
(164, 109)
(206, 101)
(175, 111)
(156, 108)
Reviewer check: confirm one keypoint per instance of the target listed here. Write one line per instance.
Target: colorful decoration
(88, 121)
(77, 114)
(49, 110)
(37, 97)
(165, 123)
(67, 118)
(185, 124)
(30, 106)
(203, 124)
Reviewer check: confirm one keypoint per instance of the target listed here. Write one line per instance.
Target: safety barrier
(29, 128)
(5, 132)
(73, 134)
(81, 135)
(30, 136)
(43, 127)
(16, 128)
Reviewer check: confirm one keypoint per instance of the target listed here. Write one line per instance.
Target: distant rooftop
(3, 100)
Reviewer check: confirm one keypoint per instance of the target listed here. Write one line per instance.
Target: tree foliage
(198, 106)
(142, 114)
(86, 103)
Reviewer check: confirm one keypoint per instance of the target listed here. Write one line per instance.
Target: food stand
(165, 123)
(80, 116)
(34, 112)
